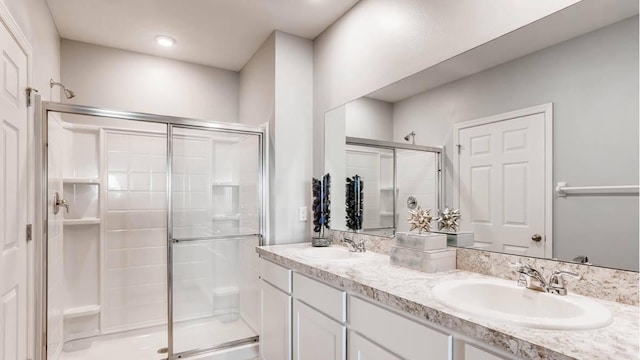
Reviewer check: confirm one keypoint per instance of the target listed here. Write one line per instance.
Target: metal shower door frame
(42, 110)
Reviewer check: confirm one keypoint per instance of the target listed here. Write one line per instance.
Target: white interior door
(13, 199)
(502, 184)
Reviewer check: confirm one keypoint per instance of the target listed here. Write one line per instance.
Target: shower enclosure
(149, 225)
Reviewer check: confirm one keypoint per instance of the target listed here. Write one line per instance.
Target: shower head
(412, 136)
(67, 92)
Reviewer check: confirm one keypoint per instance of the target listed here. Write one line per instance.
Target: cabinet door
(275, 323)
(407, 338)
(473, 353)
(316, 336)
(363, 349)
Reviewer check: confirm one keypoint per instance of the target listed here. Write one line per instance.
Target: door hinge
(29, 232)
(30, 92)
(459, 148)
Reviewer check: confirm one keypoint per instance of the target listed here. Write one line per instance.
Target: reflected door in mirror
(501, 183)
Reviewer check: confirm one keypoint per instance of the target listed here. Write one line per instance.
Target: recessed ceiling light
(166, 41)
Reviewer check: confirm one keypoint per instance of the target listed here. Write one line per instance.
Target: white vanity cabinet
(275, 312)
(305, 319)
(396, 333)
(363, 349)
(319, 316)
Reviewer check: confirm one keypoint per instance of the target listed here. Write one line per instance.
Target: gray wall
(592, 81)
(379, 42)
(369, 118)
(276, 86)
(118, 79)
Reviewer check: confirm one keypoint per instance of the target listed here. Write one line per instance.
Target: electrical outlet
(302, 216)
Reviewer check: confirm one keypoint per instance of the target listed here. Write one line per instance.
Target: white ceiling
(218, 33)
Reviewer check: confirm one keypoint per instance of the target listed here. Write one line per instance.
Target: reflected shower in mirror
(554, 103)
(393, 176)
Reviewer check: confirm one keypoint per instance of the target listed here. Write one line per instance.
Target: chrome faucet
(533, 279)
(556, 281)
(354, 246)
(530, 277)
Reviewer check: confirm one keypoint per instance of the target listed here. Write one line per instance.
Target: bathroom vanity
(344, 305)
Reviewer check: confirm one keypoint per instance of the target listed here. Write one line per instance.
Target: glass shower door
(215, 225)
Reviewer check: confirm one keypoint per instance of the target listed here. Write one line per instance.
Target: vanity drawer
(325, 298)
(396, 333)
(275, 275)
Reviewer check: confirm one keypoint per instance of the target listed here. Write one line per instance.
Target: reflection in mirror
(555, 101)
(374, 167)
(395, 178)
(354, 202)
(417, 178)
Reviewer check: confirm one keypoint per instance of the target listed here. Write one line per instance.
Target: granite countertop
(410, 291)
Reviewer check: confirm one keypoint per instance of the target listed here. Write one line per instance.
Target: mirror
(540, 128)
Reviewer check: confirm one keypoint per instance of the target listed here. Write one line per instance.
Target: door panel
(275, 334)
(363, 349)
(316, 336)
(481, 194)
(55, 236)
(215, 182)
(215, 211)
(13, 198)
(501, 177)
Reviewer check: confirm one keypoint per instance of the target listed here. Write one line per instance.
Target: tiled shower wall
(195, 262)
(192, 167)
(128, 272)
(134, 291)
(246, 267)
(417, 176)
(206, 272)
(81, 277)
(55, 289)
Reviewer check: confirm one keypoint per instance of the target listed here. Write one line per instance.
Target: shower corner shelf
(225, 184)
(89, 181)
(83, 221)
(226, 217)
(81, 311)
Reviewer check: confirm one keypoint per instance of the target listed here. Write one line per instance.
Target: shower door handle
(58, 203)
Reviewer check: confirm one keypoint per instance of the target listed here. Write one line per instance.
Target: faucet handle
(558, 274)
(556, 281)
(353, 245)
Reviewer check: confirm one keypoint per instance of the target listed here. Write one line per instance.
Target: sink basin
(501, 300)
(330, 254)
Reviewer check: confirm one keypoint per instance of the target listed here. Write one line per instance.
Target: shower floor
(144, 344)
